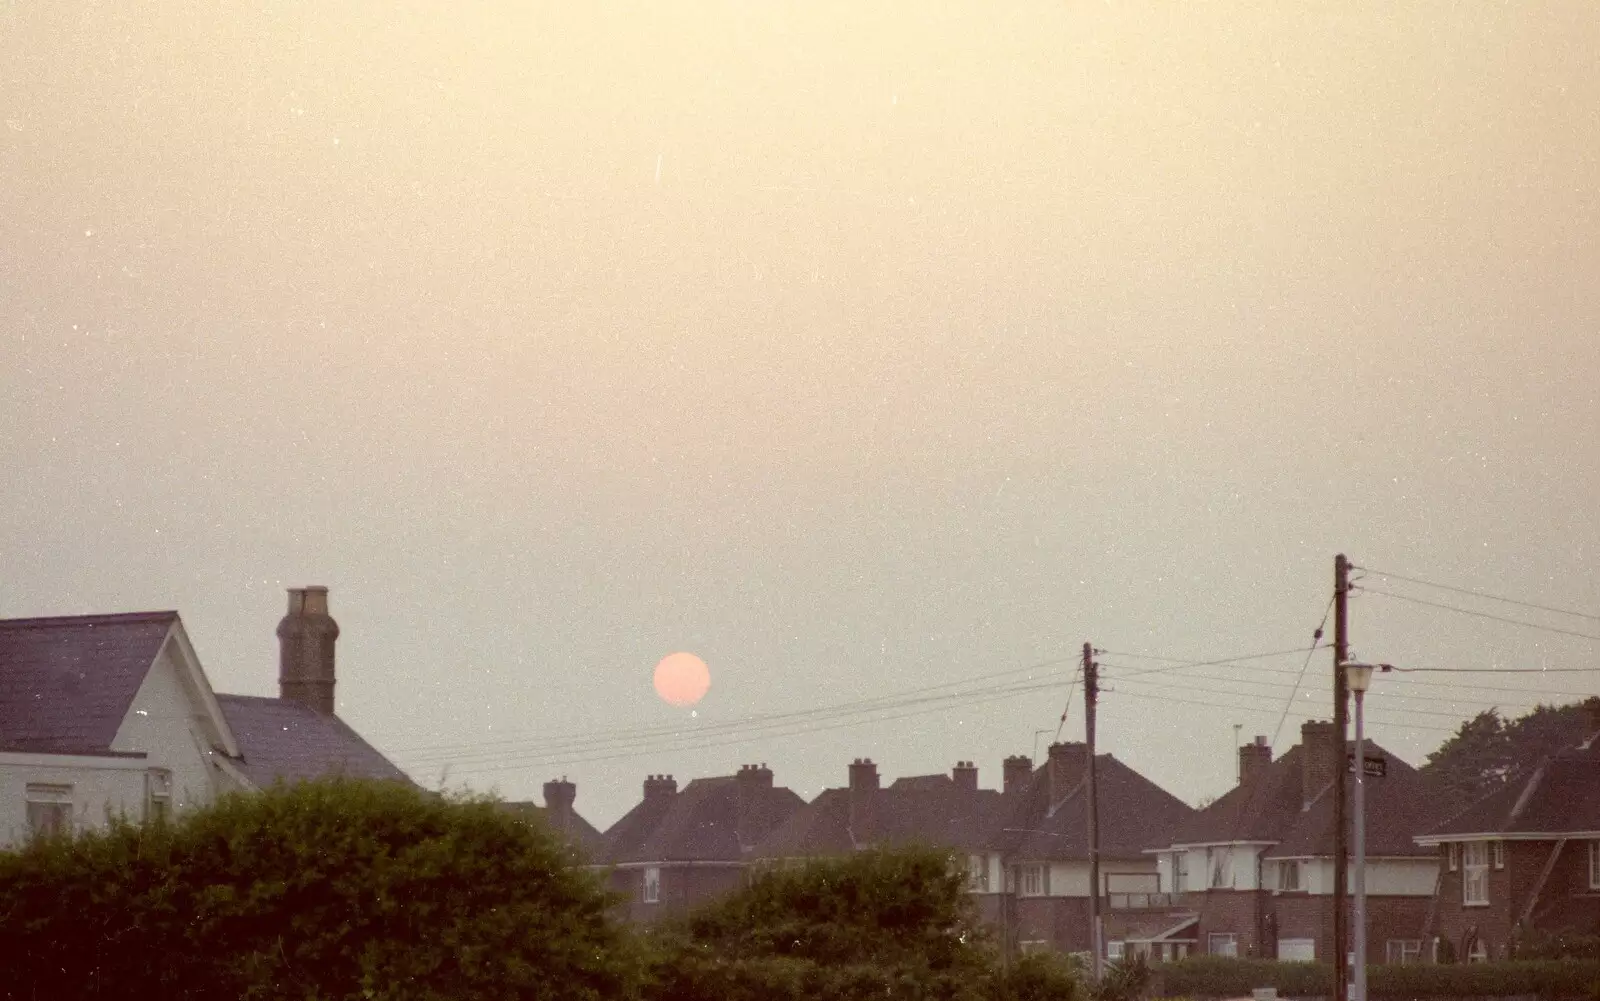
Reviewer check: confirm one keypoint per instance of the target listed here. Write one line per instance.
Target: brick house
(561, 816)
(1039, 847)
(1523, 861)
(675, 850)
(942, 811)
(114, 714)
(1255, 867)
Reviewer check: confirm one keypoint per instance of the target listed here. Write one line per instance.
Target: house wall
(100, 787)
(1564, 902)
(1407, 877)
(682, 888)
(1059, 923)
(166, 723)
(1310, 916)
(1239, 912)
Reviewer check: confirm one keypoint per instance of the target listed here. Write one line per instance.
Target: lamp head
(1358, 676)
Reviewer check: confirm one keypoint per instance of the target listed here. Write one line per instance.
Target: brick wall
(1239, 912)
(1063, 922)
(682, 889)
(1299, 915)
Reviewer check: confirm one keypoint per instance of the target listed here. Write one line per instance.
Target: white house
(104, 715)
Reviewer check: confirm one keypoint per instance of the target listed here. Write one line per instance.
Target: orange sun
(682, 679)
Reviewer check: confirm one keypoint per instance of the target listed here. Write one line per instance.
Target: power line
(1179, 664)
(890, 699)
(1481, 615)
(1484, 594)
(697, 744)
(1273, 699)
(1265, 709)
(1502, 670)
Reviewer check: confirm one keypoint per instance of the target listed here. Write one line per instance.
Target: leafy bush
(1040, 976)
(324, 890)
(1127, 979)
(1215, 976)
(880, 924)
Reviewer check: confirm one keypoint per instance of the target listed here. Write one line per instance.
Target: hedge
(1215, 976)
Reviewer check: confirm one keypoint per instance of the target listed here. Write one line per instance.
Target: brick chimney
(863, 800)
(306, 635)
(750, 789)
(1068, 764)
(1016, 770)
(965, 776)
(1253, 758)
(1320, 761)
(659, 786)
(559, 795)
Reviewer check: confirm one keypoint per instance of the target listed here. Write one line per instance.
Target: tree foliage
(324, 890)
(1488, 751)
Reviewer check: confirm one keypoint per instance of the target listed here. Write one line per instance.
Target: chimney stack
(863, 800)
(306, 635)
(1318, 765)
(559, 795)
(1016, 770)
(1253, 758)
(965, 776)
(658, 786)
(750, 788)
(1069, 764)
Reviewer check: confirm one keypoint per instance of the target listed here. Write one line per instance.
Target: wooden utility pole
(1091, 696)
(1341, 825)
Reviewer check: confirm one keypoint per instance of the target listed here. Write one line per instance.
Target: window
(157, 795)
(1034, 881)
(1475, 873)
(49, 809)
(1594, 865)
(1217, 862)
(1180, 872)
(1222, 944)
(1115, 950)
(652, 886)
(1011, 879)
(1403, 950)
(978, 874)
(1497, 849)
(1479, 953)
(1453, 853)
(1297, 950)
(1289, 875)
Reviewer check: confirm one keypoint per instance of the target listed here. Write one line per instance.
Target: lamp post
(1358, 678)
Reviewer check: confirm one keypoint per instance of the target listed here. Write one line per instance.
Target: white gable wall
(167, 722)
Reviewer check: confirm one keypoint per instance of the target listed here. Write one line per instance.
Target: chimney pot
(559, 796)
(1016, 770)
(965, 776)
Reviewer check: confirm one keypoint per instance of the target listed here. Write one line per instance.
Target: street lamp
(1358, 678)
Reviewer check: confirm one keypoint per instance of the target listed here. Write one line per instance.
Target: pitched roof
(1272, 807)
(700, 823)
(282, 739)
(1261, 809)
(1397, 808)
(1561, 796)
(66, 683)
(1134, 815)
(581, 834)
(919, 809)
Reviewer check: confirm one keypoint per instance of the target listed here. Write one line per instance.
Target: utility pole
(1091, 696)
(1341, 826)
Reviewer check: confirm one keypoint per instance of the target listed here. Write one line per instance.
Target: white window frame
(1180, 872)
(1310, 949)
(1222, 944)
(1594, 865)
(50, 808)
(1035, 881)
(1218, 869)
(1116, 950)
(1475, 874)
(1400, 951)
(1286, 868)
(1452, 851)
(1497, 853)
(978, 873)
(157, 795)
(651, 891)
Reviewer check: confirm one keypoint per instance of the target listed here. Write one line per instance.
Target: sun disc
(682, 679)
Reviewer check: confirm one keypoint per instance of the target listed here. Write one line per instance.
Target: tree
(322, 890)
(1474, 761)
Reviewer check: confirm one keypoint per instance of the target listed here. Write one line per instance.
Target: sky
(868, 351)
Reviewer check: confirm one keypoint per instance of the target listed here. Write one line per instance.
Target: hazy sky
(858, 348)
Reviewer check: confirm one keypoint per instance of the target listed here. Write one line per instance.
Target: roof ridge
(93, 619)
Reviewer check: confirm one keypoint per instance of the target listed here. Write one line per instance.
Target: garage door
(1298, 950)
